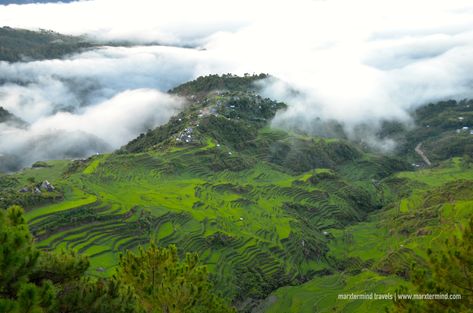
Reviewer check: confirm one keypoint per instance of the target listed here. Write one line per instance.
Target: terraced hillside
(434, 204)
(264, 208)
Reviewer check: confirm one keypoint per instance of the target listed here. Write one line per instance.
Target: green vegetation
(17, 258)
(285, 222)
(444, 128)
(449, 272)
(32, 188)
(205, 84)
(167, 285)
(20, 44)
(321, 294)
(378, 254)
(155, 280)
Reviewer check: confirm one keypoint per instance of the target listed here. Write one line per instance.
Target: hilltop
(265, 208)
(23, 45)
(227, 115)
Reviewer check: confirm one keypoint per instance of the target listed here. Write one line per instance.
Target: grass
(285, 222)
(260, 219)
(385, 239)
(448, 171)
(90, 169)
(53, 172)
(263, 208)
(75, 198)
(118, 202)
(321, 294)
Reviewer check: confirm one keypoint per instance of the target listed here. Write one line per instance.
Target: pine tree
(60, 267)
(89, 295)
(165, 284)
(17, 259)
(154, 280)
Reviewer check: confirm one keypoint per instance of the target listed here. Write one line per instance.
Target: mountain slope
(445, 130)
(433, 206)
(7, 117)
(20, 44)
(265, 208)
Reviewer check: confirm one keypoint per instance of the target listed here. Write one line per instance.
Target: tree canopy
(150, 280)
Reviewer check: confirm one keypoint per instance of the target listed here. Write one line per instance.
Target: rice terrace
(159, 171)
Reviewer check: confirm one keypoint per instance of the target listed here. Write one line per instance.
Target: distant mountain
(20, 44)
(4, 115)
(7, 117)
(445, 130)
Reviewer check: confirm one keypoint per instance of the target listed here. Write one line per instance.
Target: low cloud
(178, 22)
(117, 120)
(95, 129)
(92, 102)
(340, 63)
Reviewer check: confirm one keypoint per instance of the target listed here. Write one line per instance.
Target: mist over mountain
(236, 156)
(275, 215)
(356, 69)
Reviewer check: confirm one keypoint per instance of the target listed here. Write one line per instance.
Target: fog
(95, 129)
(353, 62)
(92, 102)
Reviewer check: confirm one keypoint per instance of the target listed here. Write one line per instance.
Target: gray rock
(47, 186)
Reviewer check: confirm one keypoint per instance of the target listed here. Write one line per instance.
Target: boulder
(45, 185)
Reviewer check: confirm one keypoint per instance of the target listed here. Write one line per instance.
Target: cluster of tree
(232, 133)
(240, 115)
(445, 114)
(298, 155)
(20, 44)
(150, 280)
(248, 106)
(449, 145)
(449, 271)
(12, 192)
(204, 84)
(160, 134)
(439, 126)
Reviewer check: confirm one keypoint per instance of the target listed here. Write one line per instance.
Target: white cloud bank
(353, 61)
(94, 102)
(97, 128)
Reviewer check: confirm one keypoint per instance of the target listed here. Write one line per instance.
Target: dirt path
(422, 154)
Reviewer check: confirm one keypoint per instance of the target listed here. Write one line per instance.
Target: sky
(356, 62)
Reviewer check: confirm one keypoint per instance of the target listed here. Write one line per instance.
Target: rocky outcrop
(47, 186)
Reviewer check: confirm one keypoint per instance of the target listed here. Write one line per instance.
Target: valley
(285, 221)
